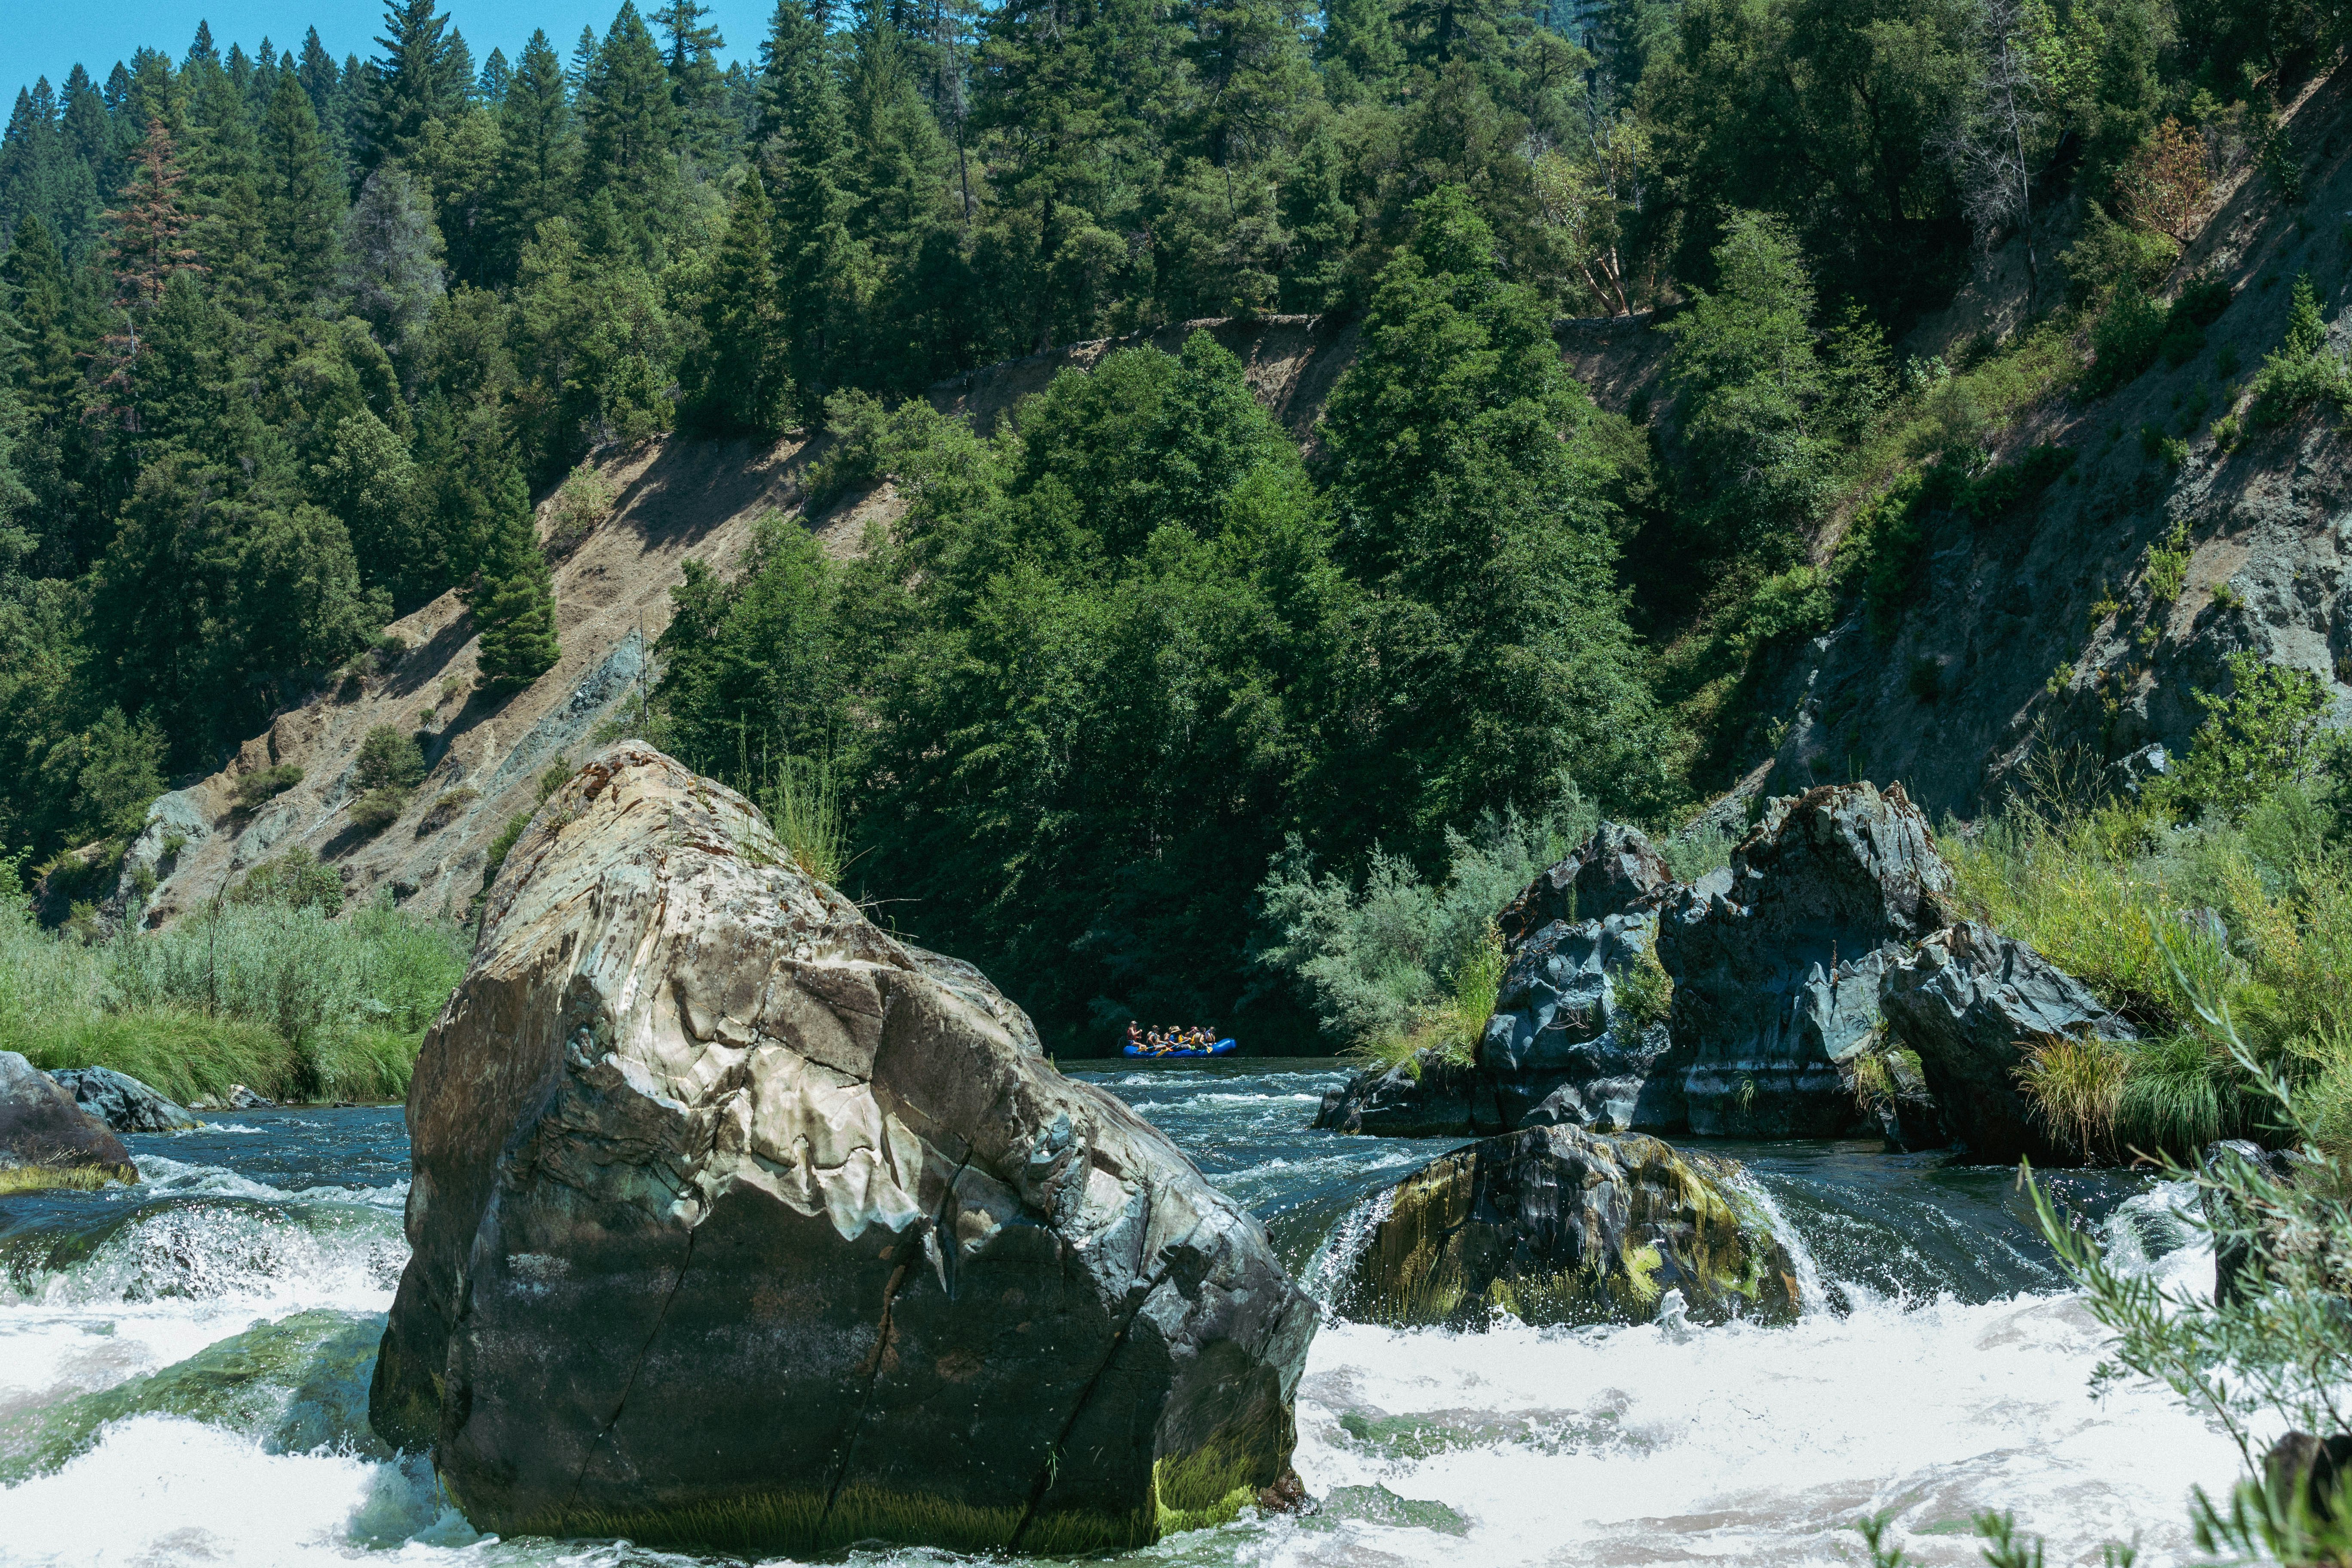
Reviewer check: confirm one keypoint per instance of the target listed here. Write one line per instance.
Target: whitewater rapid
(182, 1381)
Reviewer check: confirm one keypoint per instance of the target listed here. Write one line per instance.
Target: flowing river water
(184, 1370)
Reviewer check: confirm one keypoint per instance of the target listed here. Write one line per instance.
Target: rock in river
(1556, 1225)
(123, 1103)
(738, 1223)
(1975, 1005)
(47, 1141)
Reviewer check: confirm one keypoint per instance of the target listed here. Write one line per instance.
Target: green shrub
(2301, 372)
(859, 428)
(2267, 734)
(294, 881)
(378, 809)
(447, 807)
(2168, 564)
(2124, 340)
(1371, 958)
(584, 500)
(389, 758)
(262, 785)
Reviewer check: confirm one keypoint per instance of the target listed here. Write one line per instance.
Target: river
(184, 1370)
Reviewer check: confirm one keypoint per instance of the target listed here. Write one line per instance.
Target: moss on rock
(1556, 1225)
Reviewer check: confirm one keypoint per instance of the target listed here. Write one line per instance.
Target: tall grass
(282, 999)
(2154, 916)
(802, 797)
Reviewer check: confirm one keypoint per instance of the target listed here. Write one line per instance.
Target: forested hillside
(1116, 687)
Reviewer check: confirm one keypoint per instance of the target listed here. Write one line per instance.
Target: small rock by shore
(47, 1140)
(123, 1103)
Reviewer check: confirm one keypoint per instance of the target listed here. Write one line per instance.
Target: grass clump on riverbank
(2227, 884)
(276, 995)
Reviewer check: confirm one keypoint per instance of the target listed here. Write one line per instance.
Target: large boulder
(1777, 964)
(1425, 1096)
(1975, 1005)
(47, 1141)
(123, 1103)
(738, 1223)
(1557, 1225)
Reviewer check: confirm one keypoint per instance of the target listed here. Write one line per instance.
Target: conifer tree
(301, 191)
(805, 147)
(632, 129)
(689, 53)
(150, 246)
(743, 382)
(413, 80)
(491, 88)
(229, 234)
(539, 151)
(583, 64)
(513, 597)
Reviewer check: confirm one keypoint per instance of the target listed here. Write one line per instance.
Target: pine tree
(513, 597)
(301, 193)
(689, 53)
(631, 130)
(583, 64)
(804, 149)
(491, 88)
(150, 246)
(229, 234)
(897, 158)
(539, 152)
(742, 382)
(413, 80)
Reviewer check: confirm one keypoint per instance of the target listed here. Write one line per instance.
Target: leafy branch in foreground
(2271, 1347)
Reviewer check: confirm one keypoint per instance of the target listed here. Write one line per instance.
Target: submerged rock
(1975, 1005)
(1777, 965)
(1556, 1225)
(123, 1103)
(738, 1223)
(47, 1141)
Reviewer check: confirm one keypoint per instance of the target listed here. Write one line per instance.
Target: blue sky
(46, 37)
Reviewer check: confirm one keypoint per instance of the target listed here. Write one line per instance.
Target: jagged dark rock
(1777, 967)
(2239, 1265)
(123, 1103)
(1579, 1034)
(2312, 1470)
(737, 1223)
(1773, 965)
(1613, 872)
(1557, 1225)
(1425, 1096)
(47, 1140)
(1975, 1005)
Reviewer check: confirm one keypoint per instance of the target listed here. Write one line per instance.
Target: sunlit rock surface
(737, 1223)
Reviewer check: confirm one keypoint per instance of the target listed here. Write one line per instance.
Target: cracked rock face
(737, 1223)
(1777, 967)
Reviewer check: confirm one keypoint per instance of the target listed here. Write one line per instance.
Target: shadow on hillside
(691, 487)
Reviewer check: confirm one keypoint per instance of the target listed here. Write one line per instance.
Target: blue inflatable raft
(1181, 1053)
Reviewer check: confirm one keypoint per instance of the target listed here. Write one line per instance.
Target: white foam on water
(179, 1277)
(1759, 1445)
(165, 1491)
